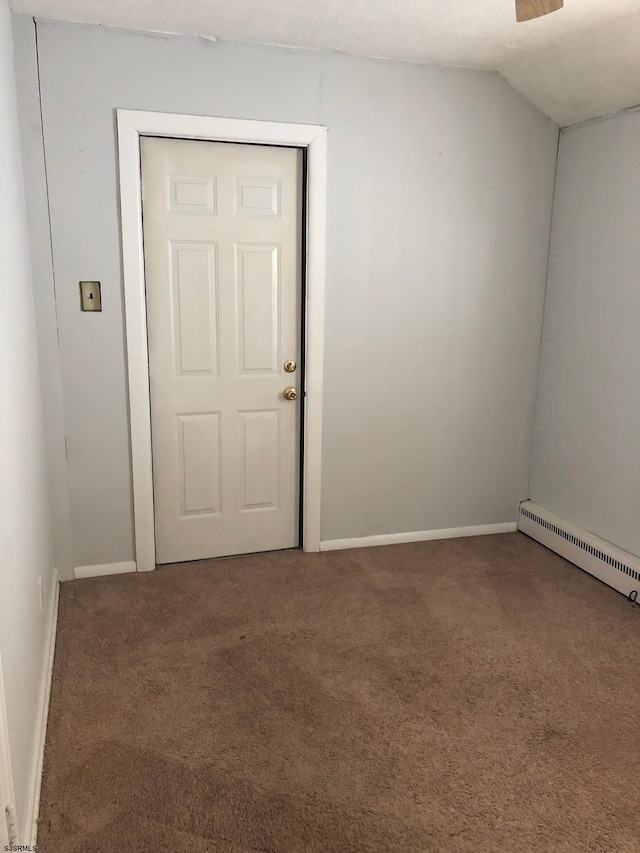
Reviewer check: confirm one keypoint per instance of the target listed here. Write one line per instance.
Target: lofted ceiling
(580, 62)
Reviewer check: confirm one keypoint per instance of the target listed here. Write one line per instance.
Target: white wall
(440, 184)
(587, 449)
(25, 547)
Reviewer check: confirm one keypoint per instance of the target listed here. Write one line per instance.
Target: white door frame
(7, 797)
(132, 124)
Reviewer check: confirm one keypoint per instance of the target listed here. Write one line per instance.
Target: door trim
(131, 125)
(7, 795)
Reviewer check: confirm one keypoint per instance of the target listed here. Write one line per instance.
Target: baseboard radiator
(600, 558)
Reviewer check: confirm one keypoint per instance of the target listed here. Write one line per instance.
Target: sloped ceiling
(578, 63)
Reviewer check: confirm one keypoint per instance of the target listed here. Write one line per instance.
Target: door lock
(289, 366)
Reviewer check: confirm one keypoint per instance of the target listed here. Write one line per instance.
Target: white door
(222, 245)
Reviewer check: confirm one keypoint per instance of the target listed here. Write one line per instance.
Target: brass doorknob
(289, 366)
(290, 394)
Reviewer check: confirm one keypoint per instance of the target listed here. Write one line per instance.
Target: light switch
(90, 298)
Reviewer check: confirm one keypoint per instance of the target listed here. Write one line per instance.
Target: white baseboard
(106, 569)
(417, 536)
(602, 559)
(44, 692)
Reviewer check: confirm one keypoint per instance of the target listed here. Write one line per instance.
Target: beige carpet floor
(467, 695)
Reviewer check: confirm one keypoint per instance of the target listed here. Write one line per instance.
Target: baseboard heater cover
(600, 558)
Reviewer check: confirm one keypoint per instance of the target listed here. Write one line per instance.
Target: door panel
(222, 237)
(259, 462)
(193, 279)
(258, 307)
(199, 453)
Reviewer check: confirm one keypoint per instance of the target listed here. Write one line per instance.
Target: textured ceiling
(575, 64)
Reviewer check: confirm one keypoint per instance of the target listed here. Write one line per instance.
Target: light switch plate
(90, 297)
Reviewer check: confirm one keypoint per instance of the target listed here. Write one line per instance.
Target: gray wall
(587, 449)
(440, 185)
(44, 293)
(25, 543)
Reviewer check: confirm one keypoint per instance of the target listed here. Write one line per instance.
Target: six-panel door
(222, 238)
